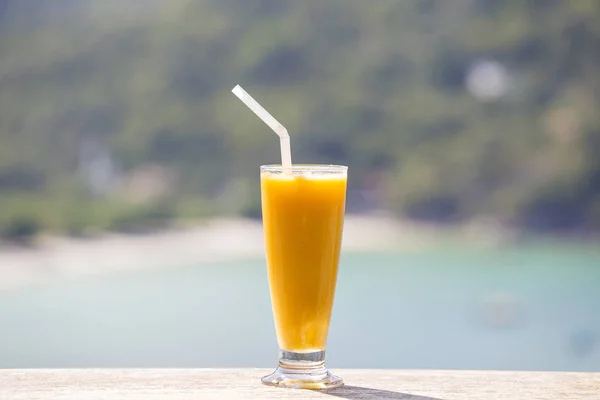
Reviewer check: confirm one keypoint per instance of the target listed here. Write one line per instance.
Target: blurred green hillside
(119, 115)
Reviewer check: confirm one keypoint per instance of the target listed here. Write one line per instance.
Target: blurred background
(129, 193)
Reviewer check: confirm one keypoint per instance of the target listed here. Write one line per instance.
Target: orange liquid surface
(303, 219)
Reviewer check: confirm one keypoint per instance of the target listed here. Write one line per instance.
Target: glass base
(302, 371)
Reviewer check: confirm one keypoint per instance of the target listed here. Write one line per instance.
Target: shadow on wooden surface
(359, 393)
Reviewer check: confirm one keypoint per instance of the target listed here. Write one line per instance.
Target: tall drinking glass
(303, 215)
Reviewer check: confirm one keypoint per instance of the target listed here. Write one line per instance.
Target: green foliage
(252, 209)
(20, 229)
(140, 219)
(379, 86)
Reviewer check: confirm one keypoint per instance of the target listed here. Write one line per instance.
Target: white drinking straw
(284, 137)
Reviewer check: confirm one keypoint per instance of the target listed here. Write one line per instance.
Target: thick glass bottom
(302, 371)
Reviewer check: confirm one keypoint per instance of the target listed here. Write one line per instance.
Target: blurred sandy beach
(216, 240)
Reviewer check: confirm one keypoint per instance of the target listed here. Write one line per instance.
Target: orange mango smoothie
(303, 215)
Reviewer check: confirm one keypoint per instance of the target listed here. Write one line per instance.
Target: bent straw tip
(237, 90)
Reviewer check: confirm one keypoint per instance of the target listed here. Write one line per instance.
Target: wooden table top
(188, 384)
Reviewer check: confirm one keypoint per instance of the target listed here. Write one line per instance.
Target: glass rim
(305, 167)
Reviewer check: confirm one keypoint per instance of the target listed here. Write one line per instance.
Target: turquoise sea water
(527, 307)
